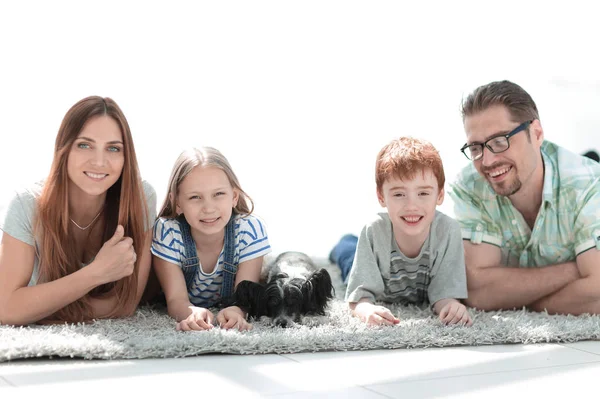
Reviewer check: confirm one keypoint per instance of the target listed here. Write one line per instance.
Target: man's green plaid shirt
(567, 224)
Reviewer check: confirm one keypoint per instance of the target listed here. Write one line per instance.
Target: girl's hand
(200, 319)
(455, 312)
(233, 317)
(116, 258)
(374, 315)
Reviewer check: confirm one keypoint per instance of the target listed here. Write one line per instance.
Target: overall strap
(191, 262)
(229, 267)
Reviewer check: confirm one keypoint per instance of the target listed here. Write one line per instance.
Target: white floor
(507, 371)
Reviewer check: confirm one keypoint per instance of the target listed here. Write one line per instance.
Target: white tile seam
(7, 382)
(480, 374)
(565, 345)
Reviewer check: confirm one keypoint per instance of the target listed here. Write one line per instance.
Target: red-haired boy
(411, 254)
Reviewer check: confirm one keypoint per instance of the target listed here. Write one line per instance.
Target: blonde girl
(206, 241)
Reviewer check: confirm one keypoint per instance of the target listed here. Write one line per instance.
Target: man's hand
(233, 317)
(374, 315)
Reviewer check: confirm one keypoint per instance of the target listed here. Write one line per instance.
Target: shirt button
(514, 221)
(478, 228)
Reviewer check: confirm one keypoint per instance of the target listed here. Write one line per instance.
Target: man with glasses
(529, 210)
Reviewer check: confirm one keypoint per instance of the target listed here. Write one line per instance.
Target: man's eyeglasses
(496, 144)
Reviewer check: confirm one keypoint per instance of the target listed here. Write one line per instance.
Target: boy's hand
(200, 319)
(233, 317)
(374, 315)
(454, 312)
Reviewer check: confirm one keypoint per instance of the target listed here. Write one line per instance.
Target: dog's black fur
(290, 287)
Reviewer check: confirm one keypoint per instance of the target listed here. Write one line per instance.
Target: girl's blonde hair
(202, 157)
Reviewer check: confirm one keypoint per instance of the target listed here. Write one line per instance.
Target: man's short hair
(404, 157)
(519, 103)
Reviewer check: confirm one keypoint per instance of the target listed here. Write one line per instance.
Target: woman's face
(96, 158)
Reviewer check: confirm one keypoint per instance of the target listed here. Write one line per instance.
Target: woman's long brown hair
(125, 205)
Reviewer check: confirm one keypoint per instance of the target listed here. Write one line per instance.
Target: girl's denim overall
(191, 262)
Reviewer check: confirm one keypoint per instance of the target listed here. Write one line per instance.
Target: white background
(300, 96)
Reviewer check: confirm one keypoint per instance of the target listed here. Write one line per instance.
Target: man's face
(506, 172)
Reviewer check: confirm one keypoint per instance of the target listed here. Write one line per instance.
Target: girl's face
(96, 158)
(206, 198)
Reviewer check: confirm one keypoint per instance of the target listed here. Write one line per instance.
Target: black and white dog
(291, 287)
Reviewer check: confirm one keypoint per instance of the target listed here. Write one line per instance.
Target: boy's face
(411, 204)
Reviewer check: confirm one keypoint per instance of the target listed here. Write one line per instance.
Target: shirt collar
(548, 189)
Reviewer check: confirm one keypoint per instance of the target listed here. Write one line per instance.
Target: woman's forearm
(28, 305)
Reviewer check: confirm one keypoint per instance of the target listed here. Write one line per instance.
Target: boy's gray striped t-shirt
(381, 272)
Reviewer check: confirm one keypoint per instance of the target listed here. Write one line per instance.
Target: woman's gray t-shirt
(18, 218)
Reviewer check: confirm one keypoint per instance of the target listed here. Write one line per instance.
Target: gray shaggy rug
(151, 333)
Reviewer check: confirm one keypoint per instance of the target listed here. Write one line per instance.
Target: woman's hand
(116, 258)
(200, 319)
(233, 317)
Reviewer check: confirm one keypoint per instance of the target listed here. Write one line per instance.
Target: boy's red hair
(404, 157)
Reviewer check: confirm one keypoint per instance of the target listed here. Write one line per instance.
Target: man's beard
(503, 188)
(507, 190)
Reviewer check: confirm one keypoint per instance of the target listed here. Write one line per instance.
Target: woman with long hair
(76, 246)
